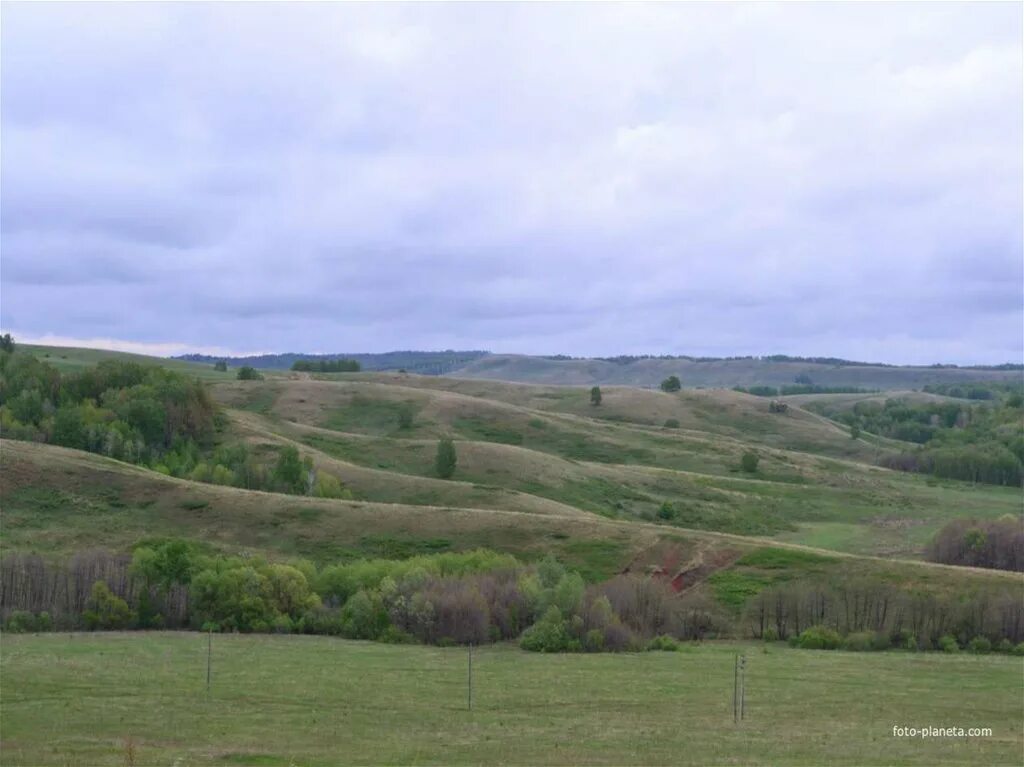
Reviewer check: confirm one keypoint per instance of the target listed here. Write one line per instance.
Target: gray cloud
(586, 179)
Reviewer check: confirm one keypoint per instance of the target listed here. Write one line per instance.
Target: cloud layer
(826, 179)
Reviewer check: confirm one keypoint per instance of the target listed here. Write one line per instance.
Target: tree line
(125, 410)
(993, 543)
(448, 598)
(965, 441)
(327, 366)
(146, 415)
(896, 618)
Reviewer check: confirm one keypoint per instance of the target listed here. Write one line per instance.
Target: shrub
(949, 644)
(106, 610)
(980, 646)
(667, 511)
(546, 635)
(595, 396)
(672, 423)
(749, 462)
(1005, 646)
(1018, 649)
(671, 384)
(663, 642)
(445, 460)
(880, 641)
(770, 635)
(618, 638)
(819, 638)
(593, 640)
(21, 622)
(363, 617)
(860, 641)
(249, 373)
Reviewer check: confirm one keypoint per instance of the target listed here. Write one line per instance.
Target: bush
(249, 373)
(979, 646)
(546, 635)
(593, 640)
(819, 638)
(1005, 646)
(667, 511)
(949, 644)
(1018, 649)
(663, 642)
(860, 641)
(24, 622)
(749, 462)
(770, 635)
(671, 384)
(106, 610)
(445, 460)
(672, 423)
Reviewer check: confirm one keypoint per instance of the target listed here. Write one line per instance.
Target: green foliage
(364, 616)
(671, 384)
(250, 595)
(327, 366)
(734, 588)
(749, 461)
(327, 486)
(667, 512)
(249, 373)
(819, 638)
(25, 622)
(867, 641)
(106, 610)
(671, 423)
(124, 410)
(549, 634)
(167, 564)
(949, 644)
(664, 642)
(290, 473)
(220, 366)
(854, 431)
(6, 343)
(445, 460)
(769, 558)
(595, 395)
(980, 645)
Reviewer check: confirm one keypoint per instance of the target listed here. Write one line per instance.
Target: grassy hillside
(58, 501)
(619, 469)
(278, 701)
(715, 373)
(525, 452)
(71, 359)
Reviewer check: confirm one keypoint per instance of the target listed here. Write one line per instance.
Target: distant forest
(423, 363)
(447, 361)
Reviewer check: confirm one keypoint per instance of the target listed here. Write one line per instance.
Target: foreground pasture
(114, 699)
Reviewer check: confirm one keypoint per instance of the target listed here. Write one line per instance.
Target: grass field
(81, 699)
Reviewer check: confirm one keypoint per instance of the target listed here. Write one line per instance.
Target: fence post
(735, 687)
(743, 685)
(209, 654)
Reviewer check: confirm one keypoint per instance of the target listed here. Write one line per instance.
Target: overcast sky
(712, 179)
